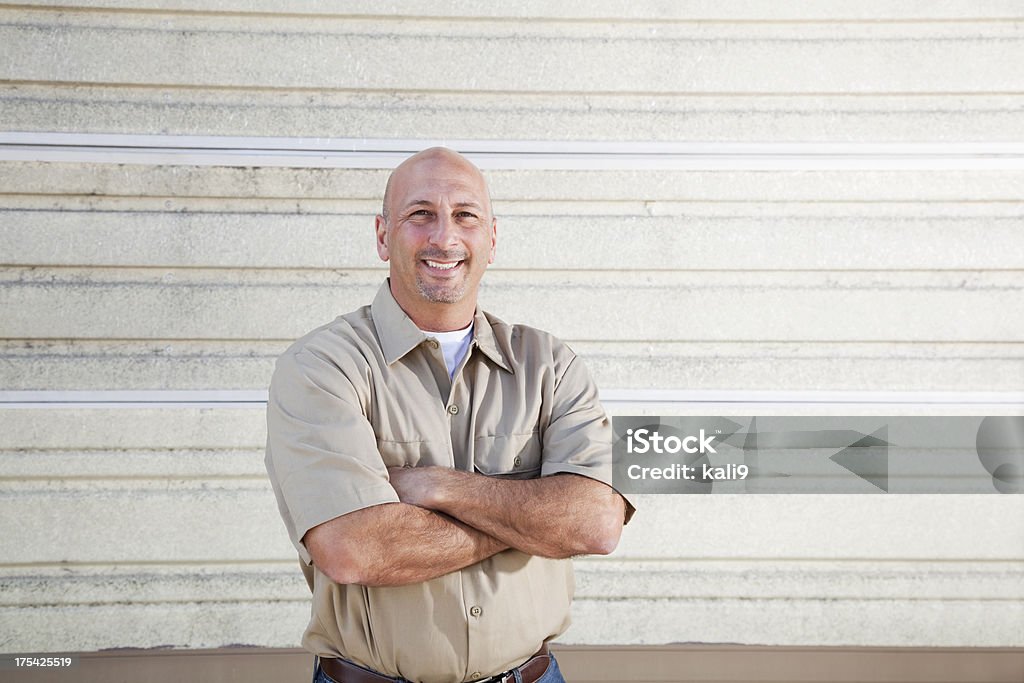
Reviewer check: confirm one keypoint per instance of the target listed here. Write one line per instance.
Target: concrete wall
(659, 208)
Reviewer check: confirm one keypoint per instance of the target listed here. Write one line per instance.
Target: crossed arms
(448, 519)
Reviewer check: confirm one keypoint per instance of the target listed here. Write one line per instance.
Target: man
(435, 466)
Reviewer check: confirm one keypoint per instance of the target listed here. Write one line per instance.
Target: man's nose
(445, 232)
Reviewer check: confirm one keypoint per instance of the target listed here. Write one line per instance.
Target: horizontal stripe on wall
(68, 365)
(358, 53)
(555, 117)
(831, 11)
(596, 579)
(948, 306)
(226, 520)
(982, 237)
(197, 428)
(935, 596)
(498, 154)
(99, 181)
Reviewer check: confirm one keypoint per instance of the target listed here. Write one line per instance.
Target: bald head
(433, 161)
(438, 234)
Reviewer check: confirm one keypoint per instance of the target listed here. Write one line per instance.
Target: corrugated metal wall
(638, 220)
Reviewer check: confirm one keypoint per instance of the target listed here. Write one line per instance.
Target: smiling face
(438, 235)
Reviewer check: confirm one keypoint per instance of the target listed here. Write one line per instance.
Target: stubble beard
(442, 292)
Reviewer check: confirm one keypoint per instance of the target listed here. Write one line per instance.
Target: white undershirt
(454, 346)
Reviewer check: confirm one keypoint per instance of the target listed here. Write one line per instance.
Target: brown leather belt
(343, 671)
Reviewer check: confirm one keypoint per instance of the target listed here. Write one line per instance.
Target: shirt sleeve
(578, 438)
(322, 455)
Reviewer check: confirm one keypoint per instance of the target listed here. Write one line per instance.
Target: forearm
(396, 544)
(556, 516)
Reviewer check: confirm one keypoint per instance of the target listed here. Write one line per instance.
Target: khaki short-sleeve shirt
(370, 391)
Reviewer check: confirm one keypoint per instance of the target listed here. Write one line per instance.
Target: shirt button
(475, 611)
(434, 344)
(517, 462)
(475, 674)
(453, 409)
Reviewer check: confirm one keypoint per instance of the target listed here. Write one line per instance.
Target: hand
(419, 485)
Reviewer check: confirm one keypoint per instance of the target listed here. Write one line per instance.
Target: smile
(439, 265)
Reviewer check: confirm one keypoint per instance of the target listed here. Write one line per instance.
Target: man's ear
(380, 226)
(494, 239)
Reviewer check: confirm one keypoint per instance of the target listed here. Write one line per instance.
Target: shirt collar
(399, 335)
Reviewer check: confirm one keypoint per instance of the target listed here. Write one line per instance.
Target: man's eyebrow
(457, 205)
(415, 203)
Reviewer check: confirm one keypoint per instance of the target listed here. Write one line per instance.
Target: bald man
(435, 466)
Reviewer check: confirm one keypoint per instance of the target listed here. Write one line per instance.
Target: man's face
(439, 235)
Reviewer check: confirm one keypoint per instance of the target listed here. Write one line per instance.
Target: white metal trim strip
(620, 397)
(505, 154)
(813, 397)
(500, 146)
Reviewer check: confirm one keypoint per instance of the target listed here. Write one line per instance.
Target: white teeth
(442, 266)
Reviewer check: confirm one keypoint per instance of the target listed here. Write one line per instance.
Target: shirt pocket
(413, 453)
(510, 456)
